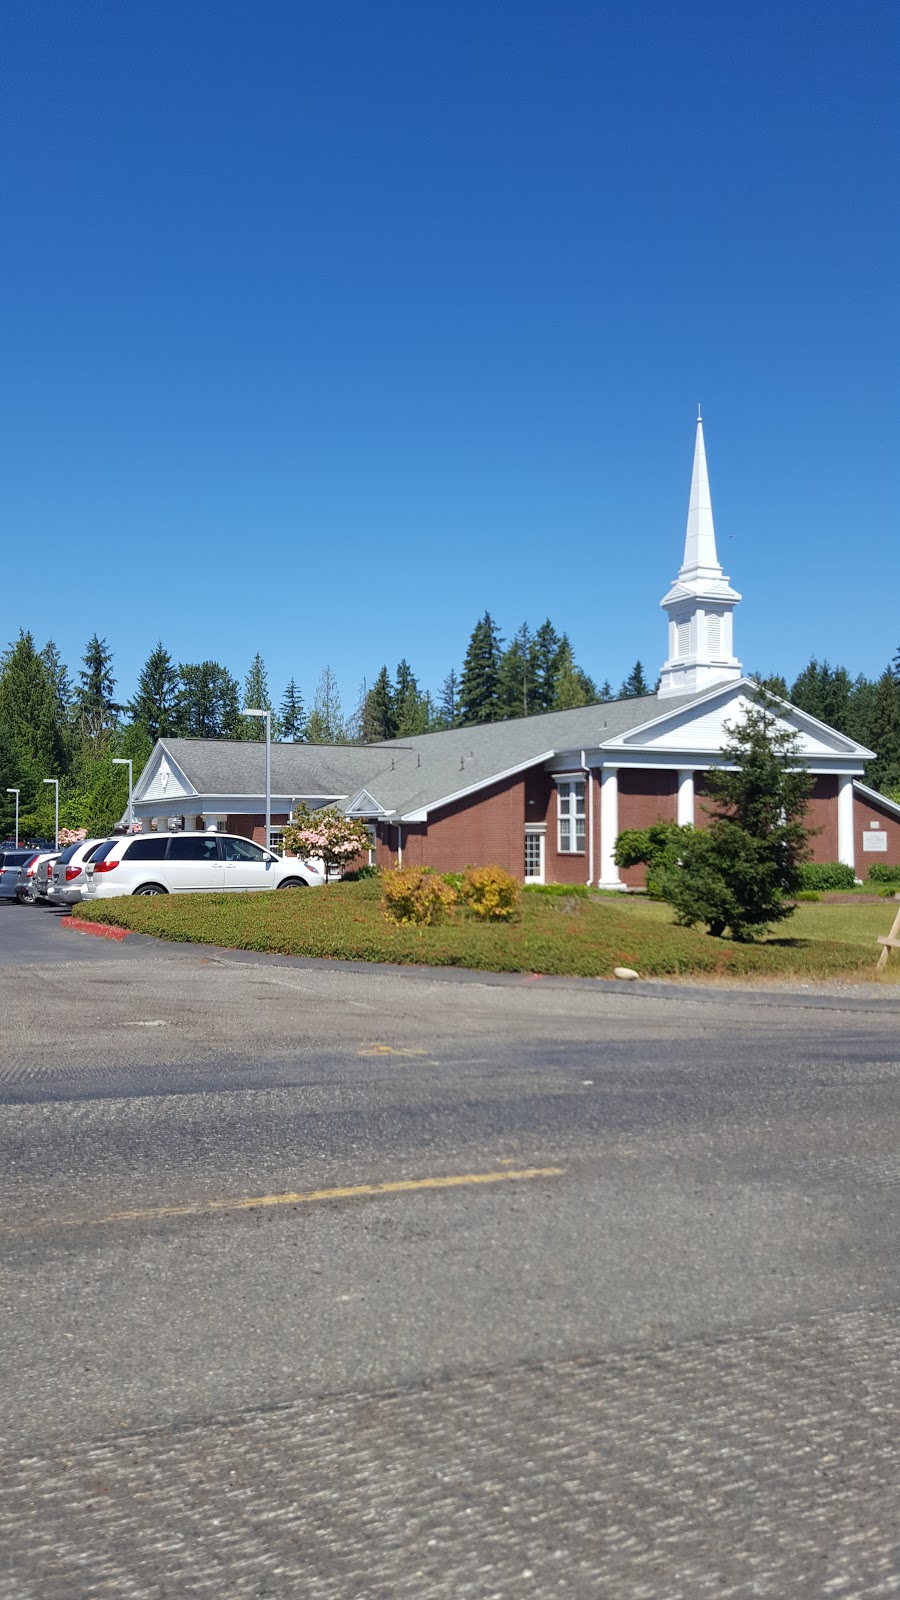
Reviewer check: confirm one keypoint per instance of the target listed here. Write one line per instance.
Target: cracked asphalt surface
(668, 1368)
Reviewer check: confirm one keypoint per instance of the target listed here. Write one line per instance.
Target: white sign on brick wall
(875, 841)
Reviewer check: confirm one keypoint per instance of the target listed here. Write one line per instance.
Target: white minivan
(189, 863)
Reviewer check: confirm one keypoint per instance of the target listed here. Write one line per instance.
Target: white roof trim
(140, 787)
(422, 813)
(876, 797)
(727, 690)
(363, 804)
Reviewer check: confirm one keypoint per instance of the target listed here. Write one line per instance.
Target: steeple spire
(700, 537)
(701, 600)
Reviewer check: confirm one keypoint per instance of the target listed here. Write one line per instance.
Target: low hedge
(580, 936)
(827, 875)
(880, 872)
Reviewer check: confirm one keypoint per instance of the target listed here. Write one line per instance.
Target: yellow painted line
(356, 1191)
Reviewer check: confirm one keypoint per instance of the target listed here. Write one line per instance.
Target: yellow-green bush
(490, 892)
(415, 894)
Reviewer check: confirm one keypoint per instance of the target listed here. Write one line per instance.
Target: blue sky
(327, 327)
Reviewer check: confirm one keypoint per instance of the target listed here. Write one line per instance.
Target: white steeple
(701, 601)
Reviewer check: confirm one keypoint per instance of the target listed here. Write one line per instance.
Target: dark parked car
(10, 862)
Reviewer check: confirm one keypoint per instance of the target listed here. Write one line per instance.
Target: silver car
(32, 884)
(67, 876)
(11, 861)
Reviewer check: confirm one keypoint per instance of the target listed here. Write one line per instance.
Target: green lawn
(586, 936)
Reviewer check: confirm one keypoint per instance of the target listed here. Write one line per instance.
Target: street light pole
(16, 793)
(123, 761)
(55, 782)
(253, 712)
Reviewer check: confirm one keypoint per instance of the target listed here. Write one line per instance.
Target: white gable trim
(844, 748)
(363, 804)
(423, 812)
(157, 756)
(877, 799)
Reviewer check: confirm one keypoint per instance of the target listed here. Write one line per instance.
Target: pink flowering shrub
(327, 835)
(69, 836)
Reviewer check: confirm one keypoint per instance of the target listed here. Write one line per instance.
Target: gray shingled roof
(411, 775)
(234, 766)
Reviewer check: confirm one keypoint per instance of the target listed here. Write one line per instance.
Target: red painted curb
(98, 928)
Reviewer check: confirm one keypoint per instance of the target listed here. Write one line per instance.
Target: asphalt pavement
(356, 1282)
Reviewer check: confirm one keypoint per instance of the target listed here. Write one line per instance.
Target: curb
(97, 928)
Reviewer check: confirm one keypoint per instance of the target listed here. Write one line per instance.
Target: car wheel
(25, 897)
(151, 888)
(293, 883)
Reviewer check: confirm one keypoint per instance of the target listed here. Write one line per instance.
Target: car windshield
(102, 850)
(67, 854)
(15, 858)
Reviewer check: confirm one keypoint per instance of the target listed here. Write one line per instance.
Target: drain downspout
(590, 792)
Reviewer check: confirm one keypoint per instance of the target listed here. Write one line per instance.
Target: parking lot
(333, 1281)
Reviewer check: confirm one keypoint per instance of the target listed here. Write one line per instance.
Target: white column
(846, 842)
(686, 796)
(609, 828)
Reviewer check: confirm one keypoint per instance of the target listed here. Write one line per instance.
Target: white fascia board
(421, 814)
(876, 798)
(363, 804)
(321, 799)
(702, 760)
(152, 767)
(750, 687)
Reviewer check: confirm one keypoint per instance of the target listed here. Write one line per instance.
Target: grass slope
(586, 936)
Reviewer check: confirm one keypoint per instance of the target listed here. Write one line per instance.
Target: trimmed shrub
(826, 875)
(554, 889)
(880, 872)
(415, 895)
(360, 874)
(491, 892)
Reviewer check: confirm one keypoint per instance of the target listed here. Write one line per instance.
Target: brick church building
(544, 796)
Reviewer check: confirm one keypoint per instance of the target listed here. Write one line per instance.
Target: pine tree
(379, 716)
(883, 734)
(546, 662)
(572, 688)
(155, 705)
(256, 695)
(479, 699)
(97, 711)
(210, 702)
(605, 691)
(31, 747)
(292, 716)
(448, 705)
(517, 687)
(411, 703)
(635, 684)
(326, 720)
(824, 692)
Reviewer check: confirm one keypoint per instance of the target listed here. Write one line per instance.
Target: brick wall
(822, 815)
(254, 826)
(865, 812)
(645, 797)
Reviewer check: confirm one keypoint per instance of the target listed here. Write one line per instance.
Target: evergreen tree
(448, 705)
(546, 663)
(824, 692)
(773, 684)
(411, 703)
(573, 688)
(883, 734)
(256, 695)
(479, 699)
(155, 705)
(743, 870)
(635, 684)
(379, 716)
(210, 702)
(31, 746)
(517, 687)
(326, 720)
(605, 691)
(97, 711)
(292, 715)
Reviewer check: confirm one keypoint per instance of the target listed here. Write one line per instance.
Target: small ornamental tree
(741, 871)
(328, 835)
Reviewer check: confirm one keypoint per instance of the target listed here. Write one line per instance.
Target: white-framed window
(570, 815)
(534, 855)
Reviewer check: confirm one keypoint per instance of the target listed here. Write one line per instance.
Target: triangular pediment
(163, 779)
(703, 727)
(363, 804)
